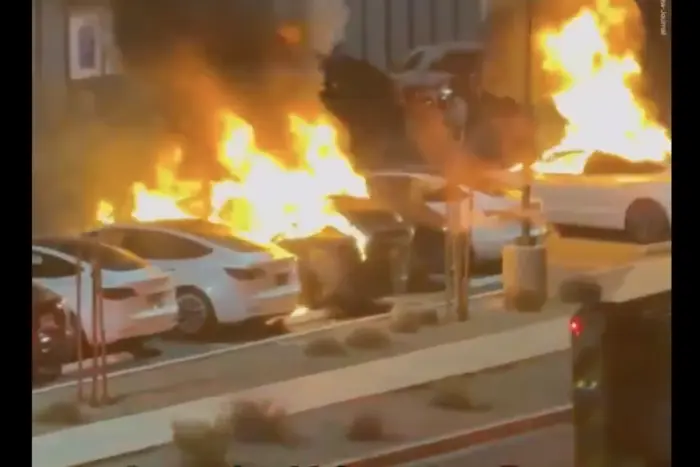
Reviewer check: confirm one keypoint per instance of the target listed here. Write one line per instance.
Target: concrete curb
(461, 440)
(476, 298)
(115, 437)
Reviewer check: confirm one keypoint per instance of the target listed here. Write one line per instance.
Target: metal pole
(78, 325)
(94, 397)
(468, 217)
(104, 394)
(526, 227)
(449, 294)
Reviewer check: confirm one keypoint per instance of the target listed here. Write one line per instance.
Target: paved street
(551, 447)
(162, 349)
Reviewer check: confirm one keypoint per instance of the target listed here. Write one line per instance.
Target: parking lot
(170, 348)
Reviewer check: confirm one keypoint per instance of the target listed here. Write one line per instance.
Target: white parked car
(637, 206)
(219, 278)
(490, 232)
(432, 66)
(138, 299)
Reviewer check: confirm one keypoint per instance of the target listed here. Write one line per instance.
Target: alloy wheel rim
(192, 312)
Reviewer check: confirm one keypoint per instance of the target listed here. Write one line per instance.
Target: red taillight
(575, 326)
(245, 274)
(118, 293)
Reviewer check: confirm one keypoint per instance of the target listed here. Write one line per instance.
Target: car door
(581, 200)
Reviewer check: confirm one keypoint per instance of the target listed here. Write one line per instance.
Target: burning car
(611, 169)
(632, 201)
(307, 206)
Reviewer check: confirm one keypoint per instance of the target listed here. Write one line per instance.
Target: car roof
(185, 226)
(69, 246)
(197, 230)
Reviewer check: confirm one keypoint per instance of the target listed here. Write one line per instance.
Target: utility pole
(525, 201)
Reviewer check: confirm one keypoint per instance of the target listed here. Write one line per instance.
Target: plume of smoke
(327, 22)
(201, 57)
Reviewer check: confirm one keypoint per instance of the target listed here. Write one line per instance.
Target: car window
(162, 246)
(51, 267)
(42, 294)
(413, 61)
(220, 235)
(458, 63)
(109, 257)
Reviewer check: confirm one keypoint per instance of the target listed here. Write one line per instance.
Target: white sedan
(638, 206)
(138, 300)
(490, 233)
(219, 278)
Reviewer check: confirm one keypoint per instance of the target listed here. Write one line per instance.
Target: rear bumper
(147, 324)
(275, 302)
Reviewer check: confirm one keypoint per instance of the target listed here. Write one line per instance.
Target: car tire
(646, 222)
(196, 316)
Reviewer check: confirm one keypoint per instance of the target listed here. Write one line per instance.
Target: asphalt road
(164, 348)
(551, 447)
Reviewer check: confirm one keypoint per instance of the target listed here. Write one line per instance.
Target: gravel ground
(408, 416)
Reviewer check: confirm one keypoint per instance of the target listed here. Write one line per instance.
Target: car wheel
(195, 313)
(646, 222)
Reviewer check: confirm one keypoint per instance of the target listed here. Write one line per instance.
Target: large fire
(596, 99)
(262, 199)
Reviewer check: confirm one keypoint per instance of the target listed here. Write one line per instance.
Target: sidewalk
(494, 346)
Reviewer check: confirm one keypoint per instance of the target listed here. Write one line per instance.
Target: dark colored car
(48, 334)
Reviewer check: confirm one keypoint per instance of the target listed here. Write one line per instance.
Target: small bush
(404, 322)
(452, 394)
(428, 317)
(260, 422)
(368, 339)
(366, 427)
(62, 413)
(324, 347)
(201, 443)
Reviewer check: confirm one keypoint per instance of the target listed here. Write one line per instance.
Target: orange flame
(262, 200)
(601, 110)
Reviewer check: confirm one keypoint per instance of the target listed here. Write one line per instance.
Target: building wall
(382, 31)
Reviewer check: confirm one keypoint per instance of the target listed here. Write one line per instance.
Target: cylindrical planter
(525, 277)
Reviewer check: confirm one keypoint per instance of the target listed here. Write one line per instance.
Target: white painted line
(111, 359)
(115, 437)
(225, 350)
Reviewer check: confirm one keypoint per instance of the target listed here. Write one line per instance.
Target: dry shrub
(428, 317)
(326, 346)
(202, 443)
(260, 422)
(404, 322)
(368, 339)
(452, 394)
(366, 427)
(62, 413)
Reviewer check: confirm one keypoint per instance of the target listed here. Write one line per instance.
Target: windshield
(110, 258)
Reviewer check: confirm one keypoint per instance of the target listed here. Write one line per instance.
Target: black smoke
(196, 57)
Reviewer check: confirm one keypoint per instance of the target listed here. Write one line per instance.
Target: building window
(91, 45)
